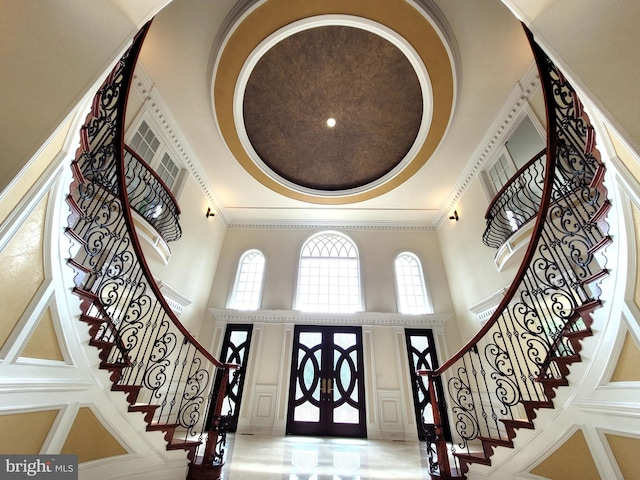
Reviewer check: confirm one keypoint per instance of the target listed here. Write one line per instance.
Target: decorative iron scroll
(149, 352)
(507, 370)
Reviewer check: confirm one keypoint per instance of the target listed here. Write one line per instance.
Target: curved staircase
(166, 375)
(497, 382)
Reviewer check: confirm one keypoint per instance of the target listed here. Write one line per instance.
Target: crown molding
(378, 226)
(306, 318)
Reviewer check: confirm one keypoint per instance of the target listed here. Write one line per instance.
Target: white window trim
(295, 304)
(426, 292)
(232, 295)
(485, 181)
(166, 145)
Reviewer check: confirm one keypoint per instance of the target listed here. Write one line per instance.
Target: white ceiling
(493, 56)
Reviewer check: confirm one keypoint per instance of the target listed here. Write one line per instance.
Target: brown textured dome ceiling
(350, 74)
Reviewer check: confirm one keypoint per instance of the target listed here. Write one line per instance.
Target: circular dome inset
(353, 76)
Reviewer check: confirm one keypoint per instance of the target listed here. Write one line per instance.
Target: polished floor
(261, 457)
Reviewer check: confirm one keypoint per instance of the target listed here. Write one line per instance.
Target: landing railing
(495, 383)
(151, 198)
(165, 372)
(517, 202)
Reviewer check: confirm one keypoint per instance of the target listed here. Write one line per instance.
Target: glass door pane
(326, 396)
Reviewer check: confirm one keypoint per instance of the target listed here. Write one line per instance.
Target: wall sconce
(210, 213)
(454, 216)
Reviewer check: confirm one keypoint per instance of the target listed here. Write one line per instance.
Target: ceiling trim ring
(346, 21)
(261, 19)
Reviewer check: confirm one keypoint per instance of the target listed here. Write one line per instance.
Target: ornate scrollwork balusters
(149, 352)
(523, 343)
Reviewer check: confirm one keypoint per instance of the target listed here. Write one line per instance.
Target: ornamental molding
(485, 308)
(359, 318)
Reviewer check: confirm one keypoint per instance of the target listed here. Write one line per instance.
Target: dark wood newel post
(212, 437)
(210, 468)
(444, 468)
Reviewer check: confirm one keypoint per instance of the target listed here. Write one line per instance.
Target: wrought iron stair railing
(166, 374)
(495, 384)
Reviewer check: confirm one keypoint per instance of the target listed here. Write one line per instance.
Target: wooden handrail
(128, 217)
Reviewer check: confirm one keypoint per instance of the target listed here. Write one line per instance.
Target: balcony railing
(511, 368)
(516, 203)
(151, 198)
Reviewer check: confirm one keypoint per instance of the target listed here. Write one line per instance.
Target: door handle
(326, 386)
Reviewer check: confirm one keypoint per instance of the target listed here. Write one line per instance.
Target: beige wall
(69, 46)
(469, 263)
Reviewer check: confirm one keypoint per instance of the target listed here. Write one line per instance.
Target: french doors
(326, 394)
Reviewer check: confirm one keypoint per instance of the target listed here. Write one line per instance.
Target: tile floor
(261, 457)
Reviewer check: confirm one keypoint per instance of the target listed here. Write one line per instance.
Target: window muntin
(168, 171)
(500, 173)
(145, 143)
(329, 275)
(412, 292)
(146, 138)
(247, 289)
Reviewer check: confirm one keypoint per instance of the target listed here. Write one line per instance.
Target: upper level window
(329, 275)
(523, 144)
(412, 292)
(146, 139)
(247, 290)
(502, 170)
(144, 142)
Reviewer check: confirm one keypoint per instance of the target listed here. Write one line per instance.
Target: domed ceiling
(333, 103)
(332, 108)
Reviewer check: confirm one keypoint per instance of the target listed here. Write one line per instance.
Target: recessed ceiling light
(331, 122)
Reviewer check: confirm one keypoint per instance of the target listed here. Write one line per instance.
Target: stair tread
(606, 240)
(554, 381)
(91, 319)
(162, 426)
(474, 458)
(96, 342)
(85, 293)
(125, 387)
(535, 403)
(143, 405)
(519, 423)
(503, 442)
(181, 443)
(566, 359)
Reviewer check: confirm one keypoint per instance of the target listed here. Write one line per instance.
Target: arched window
(329, 275)
(412, 293)
(247, 289)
